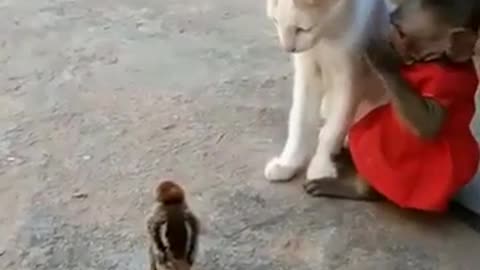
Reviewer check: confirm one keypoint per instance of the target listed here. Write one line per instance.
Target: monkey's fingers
(339, 189)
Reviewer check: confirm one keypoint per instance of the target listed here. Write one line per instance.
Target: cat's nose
(288, 43)
(291, 49)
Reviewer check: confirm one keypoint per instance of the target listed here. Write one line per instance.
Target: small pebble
(80, 195)
(87, 157)
(113, 60)
(168, 127)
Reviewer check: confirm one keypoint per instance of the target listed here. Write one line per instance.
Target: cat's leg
(303, 123)
(342, 103)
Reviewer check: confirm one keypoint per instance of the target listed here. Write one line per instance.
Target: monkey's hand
(382, 56)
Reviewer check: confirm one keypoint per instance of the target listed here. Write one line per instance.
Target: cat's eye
(299, 30)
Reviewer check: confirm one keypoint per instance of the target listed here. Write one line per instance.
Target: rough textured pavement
(100, 99)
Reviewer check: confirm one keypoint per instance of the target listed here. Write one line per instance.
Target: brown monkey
(418, 150)
(172, 229)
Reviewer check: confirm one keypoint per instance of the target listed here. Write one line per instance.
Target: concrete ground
(101, 99)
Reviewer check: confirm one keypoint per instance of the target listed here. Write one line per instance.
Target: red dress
(413, 172)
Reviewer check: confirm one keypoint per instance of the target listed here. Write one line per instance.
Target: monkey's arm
(424, 116)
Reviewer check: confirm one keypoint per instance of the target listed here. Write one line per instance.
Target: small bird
(172, 229)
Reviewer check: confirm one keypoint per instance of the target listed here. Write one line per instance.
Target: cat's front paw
(321, 168)
(278, 171)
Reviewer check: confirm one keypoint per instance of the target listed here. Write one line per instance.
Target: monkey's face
(299, 23)
(418, 36)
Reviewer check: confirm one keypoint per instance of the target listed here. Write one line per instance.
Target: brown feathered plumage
(173, 229)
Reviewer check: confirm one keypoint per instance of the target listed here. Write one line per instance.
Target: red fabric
(410, 171)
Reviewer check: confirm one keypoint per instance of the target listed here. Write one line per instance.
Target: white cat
(332, 78)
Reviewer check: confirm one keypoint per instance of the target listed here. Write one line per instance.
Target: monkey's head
(425, 30)
(169, 193)
(300, 23)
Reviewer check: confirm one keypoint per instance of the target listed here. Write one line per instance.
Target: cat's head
(300, 23)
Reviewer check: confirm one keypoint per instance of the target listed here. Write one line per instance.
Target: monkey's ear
(461, 44)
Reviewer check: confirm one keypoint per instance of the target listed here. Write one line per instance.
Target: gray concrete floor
(101, 99)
